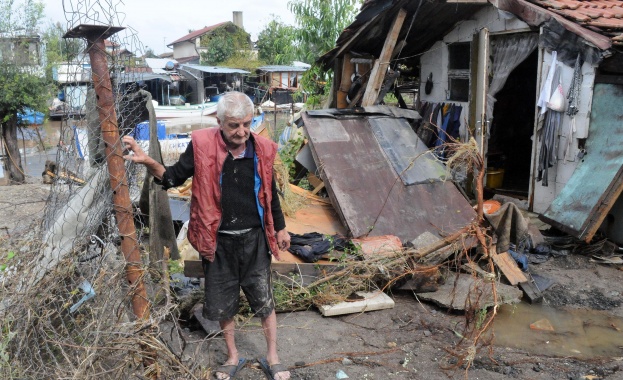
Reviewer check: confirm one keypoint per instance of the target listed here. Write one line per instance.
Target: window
(458, 71)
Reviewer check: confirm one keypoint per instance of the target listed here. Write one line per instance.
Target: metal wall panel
(366, 191)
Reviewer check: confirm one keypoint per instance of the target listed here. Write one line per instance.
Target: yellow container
(495, 177)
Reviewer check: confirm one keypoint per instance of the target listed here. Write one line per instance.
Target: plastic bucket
(495, 177)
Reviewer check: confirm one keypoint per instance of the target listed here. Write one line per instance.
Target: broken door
(380, 176)
(581, 206)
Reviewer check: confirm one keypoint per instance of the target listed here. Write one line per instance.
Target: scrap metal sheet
(369, 196)
(596, 183)
(409, 156)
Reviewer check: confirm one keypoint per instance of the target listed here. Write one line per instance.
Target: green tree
(220, 49)
(149, 53)
(276, 43)
(319, 24)
(59, 49)
(22, 84)
(223, 43)
(21, 18)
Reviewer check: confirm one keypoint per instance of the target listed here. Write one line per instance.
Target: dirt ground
(409, 341)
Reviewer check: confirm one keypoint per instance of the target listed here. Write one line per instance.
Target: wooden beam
(380, 67)
(347, 71)
(508, 267)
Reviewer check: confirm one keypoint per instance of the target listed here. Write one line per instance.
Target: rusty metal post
(95, 36)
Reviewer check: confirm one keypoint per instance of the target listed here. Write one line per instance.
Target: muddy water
(576, 332)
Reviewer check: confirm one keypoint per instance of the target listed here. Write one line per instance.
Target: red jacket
(210, 153)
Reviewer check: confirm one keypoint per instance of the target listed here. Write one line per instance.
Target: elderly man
(236, 221)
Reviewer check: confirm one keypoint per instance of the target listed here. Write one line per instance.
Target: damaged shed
(537, 84)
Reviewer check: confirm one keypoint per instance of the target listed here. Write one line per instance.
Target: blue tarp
(141, 132)
(30, 117)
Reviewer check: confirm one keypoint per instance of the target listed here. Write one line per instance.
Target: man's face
(236, 131)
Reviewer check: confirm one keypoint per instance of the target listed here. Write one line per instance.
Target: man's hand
(283, 240)
(136, 153)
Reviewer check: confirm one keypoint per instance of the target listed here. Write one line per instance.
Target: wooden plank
(318, 188)
(348, 68)
(530, 290)
(508, 267)
(314, 181)
(380, 66)
(371, 301)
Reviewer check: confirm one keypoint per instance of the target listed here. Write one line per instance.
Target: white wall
(184, 49)
(436, 59)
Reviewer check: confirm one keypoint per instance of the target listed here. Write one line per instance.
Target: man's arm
(137, 155)
(169, 176)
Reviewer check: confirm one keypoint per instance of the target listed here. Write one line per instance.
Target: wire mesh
(67, 308)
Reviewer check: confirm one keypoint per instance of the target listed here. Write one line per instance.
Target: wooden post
(380, 66)
(347, 71)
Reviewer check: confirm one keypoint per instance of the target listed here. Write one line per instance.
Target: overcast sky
(160, 22)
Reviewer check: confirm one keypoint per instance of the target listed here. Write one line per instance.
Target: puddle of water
(577, 332)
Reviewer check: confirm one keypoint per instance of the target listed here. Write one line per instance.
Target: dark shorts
(241, 261)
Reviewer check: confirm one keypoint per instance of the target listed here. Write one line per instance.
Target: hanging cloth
(549, 134)
(546, 89)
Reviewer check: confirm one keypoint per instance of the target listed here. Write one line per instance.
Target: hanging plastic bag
(557, 102)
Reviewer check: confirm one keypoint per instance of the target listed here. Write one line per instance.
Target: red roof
(602, 16)
(198, 33)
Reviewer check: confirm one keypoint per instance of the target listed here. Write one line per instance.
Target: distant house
(24, 51)
(122, 56)
(188, 49)
(281, 81)
(281, 76)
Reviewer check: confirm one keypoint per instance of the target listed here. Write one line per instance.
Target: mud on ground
(409, 341)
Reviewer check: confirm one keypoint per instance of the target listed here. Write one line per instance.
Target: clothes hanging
(549, 137)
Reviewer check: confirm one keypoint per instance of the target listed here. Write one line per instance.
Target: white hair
(234, 104)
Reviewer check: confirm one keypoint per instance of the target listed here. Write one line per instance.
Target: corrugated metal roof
(282, 68)
(215, 69)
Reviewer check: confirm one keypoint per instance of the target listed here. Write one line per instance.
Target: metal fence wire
(77, 304)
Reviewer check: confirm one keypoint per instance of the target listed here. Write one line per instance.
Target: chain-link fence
(85, 299)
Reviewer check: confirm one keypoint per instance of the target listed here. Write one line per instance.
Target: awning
(135, 77)
(215, 69)
(587, 198)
